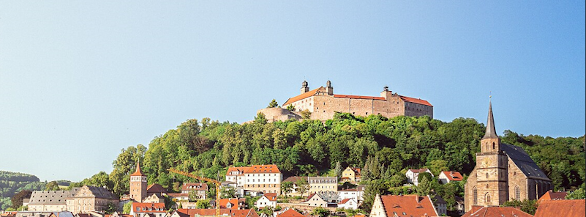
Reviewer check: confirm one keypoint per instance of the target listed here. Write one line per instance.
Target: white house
(315, 200)
(348, 203)
(412, 175)
(449, 176)
(355, 193)
(268, 199)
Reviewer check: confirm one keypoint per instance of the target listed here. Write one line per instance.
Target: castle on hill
(323, 104)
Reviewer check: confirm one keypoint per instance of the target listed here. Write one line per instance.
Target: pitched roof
(149, 207)
(290, 213)
(212, 212)
(416, 101)
(98, 192)
(477, 211)
(566, 208)
(358, 97)
(51, 197)
(302, 96)
(178, 194)
(138, 172)
(453, 176)
(263, 169)
(409, 205)
(233, 169)
(156, 188)
(224, 203)
(550, 195)
(271, 196)
(194, 186)
(344, 201)
(490, 129)
(418, 170)
(294, 179)
(523, 161)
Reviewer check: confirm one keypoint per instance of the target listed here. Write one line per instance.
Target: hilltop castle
(323, 104)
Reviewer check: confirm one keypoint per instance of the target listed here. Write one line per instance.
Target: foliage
(576, 194)
(17, 198)
(320, 211)
(273, 104)
(111, 208)
(267, 210)
(14, 182)
(52, 186)
(251, 201)
(424, 187)
(127, 208)
(528, 206)
(302, 186)
(305, 114)
(290, 107)
(286, 187)
(227, 192)
(202, 204)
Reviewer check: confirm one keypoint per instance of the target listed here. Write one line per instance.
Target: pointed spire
(138, 172)
(490, 129)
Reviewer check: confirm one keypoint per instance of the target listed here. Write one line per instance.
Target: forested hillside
(390, 146)
(13, 182)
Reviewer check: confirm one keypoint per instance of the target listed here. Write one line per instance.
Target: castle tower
(491, 168)
(304, 87)
(138, 184)
(329, 88)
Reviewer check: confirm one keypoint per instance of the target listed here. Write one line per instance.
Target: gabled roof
(263, 169)
(416, 101)
(566, 208)
(194, 186)
(410, 205)
(271, 196)
(98, 192)
(523, 161)
(302, 96)
(239, 169)
(453, 176)
(294, 179)
(344, 201)
(155, 188)
(550, 195)
(477, 211)
(149, 207)
(290, 213)
(233, 201)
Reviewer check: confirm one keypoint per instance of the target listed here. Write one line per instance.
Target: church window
(493, 146)
(487, 175)
(487, 198)
(475, 195)
(517, 193)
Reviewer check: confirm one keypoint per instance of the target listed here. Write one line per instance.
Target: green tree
(228, 192)
(127, 207)
(575, 195)
(528, 206)
(260, 118)
(286, 187)
(18, 197)
(290, 107)
(52, 186)
(273, 104)
(424, 187)
(338, 170)
(373, 188)
(305, 114)
(302, 186)
(202, 204)
(320, 211)
(110, 208)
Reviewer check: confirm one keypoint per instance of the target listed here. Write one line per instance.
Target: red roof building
(550, 195)
(449, 176)
(402, 205)
(566, 208)
(290, 213)
(483, 211)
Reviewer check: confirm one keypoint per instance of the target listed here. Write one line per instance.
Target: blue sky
(79, 81)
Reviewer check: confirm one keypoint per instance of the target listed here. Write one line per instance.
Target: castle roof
(51, 197)
(523, 161)
(359, 97)
(302, 96)
(490, 129)
(417, 101)
(320, 89)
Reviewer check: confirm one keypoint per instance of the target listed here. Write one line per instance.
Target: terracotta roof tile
(496, 211)
(138, 172)
(411, 205)
(358, 97)
(233, 169)
(550, 195)
(344, 201)
(290, 213)
(302, 96)
(156, 188)
(262, 169)
(194, 186)
(149, 207)
(414, 100)
(566, 208)
(271, 196)
(453, 176)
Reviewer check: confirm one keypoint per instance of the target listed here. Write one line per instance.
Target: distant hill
(13, 182)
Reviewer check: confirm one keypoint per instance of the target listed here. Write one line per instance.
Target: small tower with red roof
(138, 184)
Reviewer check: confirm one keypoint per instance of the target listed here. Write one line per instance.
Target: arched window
(487, 198)
(493, 146)
(475, 195)
(517, 193)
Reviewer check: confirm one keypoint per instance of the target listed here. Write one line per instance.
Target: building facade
(259, 178)
(91, 199)
(323, 103)
(503, 172)
(53, 201)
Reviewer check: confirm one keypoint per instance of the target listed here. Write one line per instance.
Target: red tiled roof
(107, 215)
(566, 208)
(495, 211)
(290, 213)
(194, 186)
(156, 188)
(178, 194)
(302, 96)
(138, 172)
(212, 212)
(224, 203)
(550, 195)
(453, 176)
(263, 169)
(309, 197)
(411, 205)
(344, 201)
(244, 213)
(358, 97)
(271, 196)
(413, 100)
(232, 169)
(149, 207)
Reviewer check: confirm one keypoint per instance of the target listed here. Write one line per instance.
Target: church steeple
(490, 129)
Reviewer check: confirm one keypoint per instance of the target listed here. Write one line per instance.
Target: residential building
(402, 205)
(154, 198)
(230, 203)
(566, 208)
(413, 174)
(259, 178)
(156, 189)
(268, 199)
(348, 203)
(294, 180)
(355, 193)
(323, 104)
(503, 172)
(50, 201)
(315, 200)
(199, 189)
(91, 199)
(440, 205)
(484, 211)
(320, 184)
(138, 185)
(351, 174)
(212, 213)
(289, 213)
(148, 210)
(179, 196)
(550, 195)
(446, 177)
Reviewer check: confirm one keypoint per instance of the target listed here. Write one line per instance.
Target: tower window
(475, 195)
(487, 198)
(493, 146)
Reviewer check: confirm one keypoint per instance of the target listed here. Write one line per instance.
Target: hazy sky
(80, 80)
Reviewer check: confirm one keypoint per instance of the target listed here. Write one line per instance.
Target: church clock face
(486, 162)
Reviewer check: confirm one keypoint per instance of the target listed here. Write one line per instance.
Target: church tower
(138, 185)
(491, 168)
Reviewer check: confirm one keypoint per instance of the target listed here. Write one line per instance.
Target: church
(503, 172)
